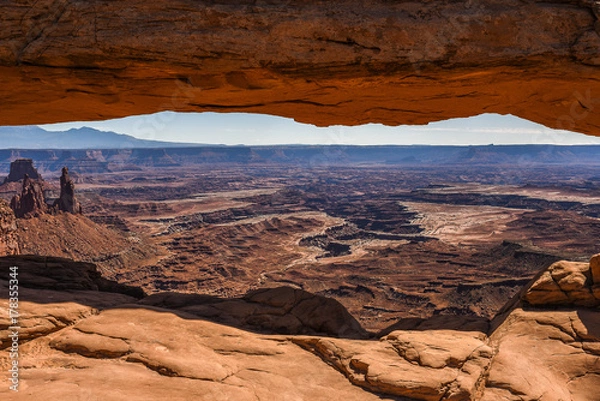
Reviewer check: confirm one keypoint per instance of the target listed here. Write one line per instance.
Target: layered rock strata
(31, 201)
(324, 63)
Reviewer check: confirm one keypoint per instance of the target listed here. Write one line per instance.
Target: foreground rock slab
(431, 365)
(81, 343)
(546, 355)
(153, 354)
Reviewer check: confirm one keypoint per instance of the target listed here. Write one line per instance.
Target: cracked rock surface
(88, 343)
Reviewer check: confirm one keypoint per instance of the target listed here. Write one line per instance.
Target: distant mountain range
(105, 160)
(90, 150)
(32, 137)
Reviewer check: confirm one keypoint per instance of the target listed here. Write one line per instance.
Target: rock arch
(325, 63)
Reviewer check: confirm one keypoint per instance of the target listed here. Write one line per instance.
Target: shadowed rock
(60, 274)
(282, 310)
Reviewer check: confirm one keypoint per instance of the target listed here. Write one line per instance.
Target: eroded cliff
(9, 244)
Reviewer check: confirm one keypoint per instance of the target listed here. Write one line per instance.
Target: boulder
(564, 283)
(425, 365)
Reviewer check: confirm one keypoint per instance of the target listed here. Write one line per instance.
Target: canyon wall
(325, 63)
(8, 227)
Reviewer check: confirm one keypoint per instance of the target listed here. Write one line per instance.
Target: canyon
(294, 272)
(388, 236)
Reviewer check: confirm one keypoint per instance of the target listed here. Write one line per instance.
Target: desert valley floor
(388, 242)
(311, 280)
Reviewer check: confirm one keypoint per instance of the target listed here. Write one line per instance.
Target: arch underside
(323, 63)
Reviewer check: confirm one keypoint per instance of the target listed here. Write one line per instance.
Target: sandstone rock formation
(78, 342)
(20, 168)
(8, 226)
(31, 201)
(567, 284)
(67, 202)
(546, 355)
(432, 365)
(324, 63)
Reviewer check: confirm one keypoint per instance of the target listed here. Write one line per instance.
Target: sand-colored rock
(41, 308)
(427, 365)
(81, 343)
(564, 283)
(42, 312)
(154, 354)
(546, 356)
(323, 63)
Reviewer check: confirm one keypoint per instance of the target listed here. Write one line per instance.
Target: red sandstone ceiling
(344, 62)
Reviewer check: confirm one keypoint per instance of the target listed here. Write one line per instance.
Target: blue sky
(257, 129)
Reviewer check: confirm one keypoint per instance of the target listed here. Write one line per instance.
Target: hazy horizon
(256, 129)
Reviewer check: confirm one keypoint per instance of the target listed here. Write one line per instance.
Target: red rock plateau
(342, 62)
(21, 167)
